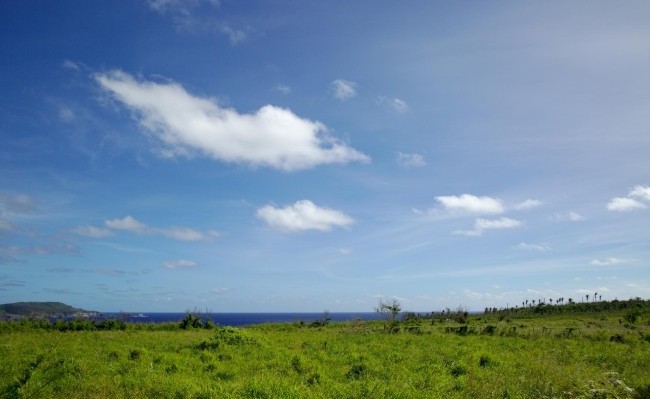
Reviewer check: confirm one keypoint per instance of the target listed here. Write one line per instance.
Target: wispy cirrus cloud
(533, 247)
(188, 16)
(410, 160)
(132, 225)
(609, 261)
(180, 264)
(186, 125)
(343, 90)
(284, 89)
(528, 204)
(303, 215)
(482, 225)
(92, 231)
(570, 216)
(393, 104)
(17, 204)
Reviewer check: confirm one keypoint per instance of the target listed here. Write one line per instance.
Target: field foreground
(596, 355)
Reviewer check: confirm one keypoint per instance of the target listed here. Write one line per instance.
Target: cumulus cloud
(393, 104)
(609, 261)
(220, 291)
(623, 204)
(481, 225)
(632, 202)
(186, 125)
(641, 192)
(92, 231)
(533, 247)
(303, 215)
(410, 160)
(528, 204)
(180, 264)
(467, 203)
(343, 89)
(130, 224)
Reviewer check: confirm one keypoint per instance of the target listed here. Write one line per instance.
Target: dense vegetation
(38, 308)
(571, 354)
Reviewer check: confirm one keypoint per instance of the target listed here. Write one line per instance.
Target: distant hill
(39, 308)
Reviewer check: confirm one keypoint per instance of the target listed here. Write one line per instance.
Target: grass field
(589, 355)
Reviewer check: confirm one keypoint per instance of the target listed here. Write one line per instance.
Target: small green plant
(485, 361)
(135, 354)
(457, 370)
(357, 371)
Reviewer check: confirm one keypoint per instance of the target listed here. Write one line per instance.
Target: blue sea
(238, 319)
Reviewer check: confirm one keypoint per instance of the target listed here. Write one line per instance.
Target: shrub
(227, 336)
(485, 361)
(457, 370)
(135, 354)
(191, 321)
(356, 372)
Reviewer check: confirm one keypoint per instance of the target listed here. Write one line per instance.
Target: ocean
(238, 319)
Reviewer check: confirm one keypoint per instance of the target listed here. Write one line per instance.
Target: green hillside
(40, 308)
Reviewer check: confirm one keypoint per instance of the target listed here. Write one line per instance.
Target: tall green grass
(593, 355)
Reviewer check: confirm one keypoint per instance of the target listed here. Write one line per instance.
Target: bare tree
(389, 310)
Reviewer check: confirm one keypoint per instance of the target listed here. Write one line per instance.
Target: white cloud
(468, 203)
(528, 204)
(410, 160)
(609, 261)
(343, 89)
(345, 251)
(568, 217)
(642, 192)
(393, 104)
(481, 225)
(533, 247)
(236, 36)
(180, 264)
(220, 291)
(66, 115)
(92, 231)
(17, 204)
(187, 125)
(181, 6)
(284, 89)
(304, 215)
(132, 225)
(128, 223)
(623, 204)
(632, 201)
(67, 64)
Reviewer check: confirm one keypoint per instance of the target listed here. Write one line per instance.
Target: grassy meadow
(590, 354)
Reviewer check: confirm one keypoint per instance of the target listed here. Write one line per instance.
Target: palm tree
(587, 296)
(595, 296)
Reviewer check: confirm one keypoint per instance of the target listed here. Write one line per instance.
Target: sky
(303, 156)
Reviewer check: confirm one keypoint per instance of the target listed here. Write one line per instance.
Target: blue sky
(169, 155)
